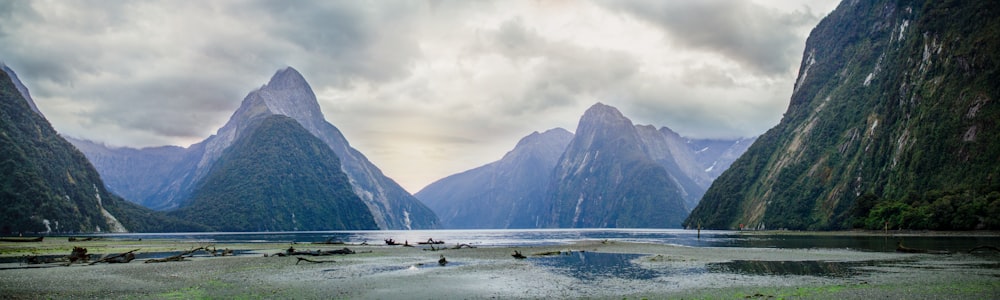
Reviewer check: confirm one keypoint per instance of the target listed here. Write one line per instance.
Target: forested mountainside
(277, 177)
(893, 121)
(47, 185)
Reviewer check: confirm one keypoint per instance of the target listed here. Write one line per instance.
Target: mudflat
(584, 269)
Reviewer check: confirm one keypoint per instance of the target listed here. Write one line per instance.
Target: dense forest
(277, 177)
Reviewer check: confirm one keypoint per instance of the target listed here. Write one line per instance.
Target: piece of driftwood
(301, 259)
(984, 247)
(548, 253)
(120, 258)
(329, 241)
(431, 241)
(86, 239)
(518, 255)
(291, 252)
(391, 242)
(903, 249)
(460, 246)
(178, 257)
(21, 239)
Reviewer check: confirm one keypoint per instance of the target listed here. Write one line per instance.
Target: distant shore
(379, 271)
(897, 232)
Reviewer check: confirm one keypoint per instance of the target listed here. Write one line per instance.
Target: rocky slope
(507, 193)
(607, 178)
(892, 123)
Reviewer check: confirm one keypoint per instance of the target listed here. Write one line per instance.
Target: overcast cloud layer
(425, 89)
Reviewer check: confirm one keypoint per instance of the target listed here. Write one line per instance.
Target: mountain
(892, 123)
(277, 177)
(164, 178)
(607, 177)
(507, 193)
(47, 185)
(137, 174)
(716, 155)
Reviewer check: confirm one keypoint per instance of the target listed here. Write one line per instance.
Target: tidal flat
(581, 269)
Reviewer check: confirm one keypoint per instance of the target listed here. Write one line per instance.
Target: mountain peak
(287, 78)
(288, 93)
(20, 88)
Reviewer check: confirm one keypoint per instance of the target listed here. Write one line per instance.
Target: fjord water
(537, 237)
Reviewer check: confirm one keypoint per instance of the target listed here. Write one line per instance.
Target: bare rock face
(507, 193)
(606, 178)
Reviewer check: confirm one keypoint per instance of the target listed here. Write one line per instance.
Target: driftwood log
(904, 249)
(460, 246)
(518, 255)
(178, 257)
(301, 259)
(120, 258)
(984, 247)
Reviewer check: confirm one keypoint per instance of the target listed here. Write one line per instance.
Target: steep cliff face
(508, 193)
(892, 122)
(606, 178)
(277, 177)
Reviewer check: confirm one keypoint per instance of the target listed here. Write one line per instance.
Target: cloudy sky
(425, 89)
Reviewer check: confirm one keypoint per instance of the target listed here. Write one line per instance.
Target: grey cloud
(565, 73)
(758, 38)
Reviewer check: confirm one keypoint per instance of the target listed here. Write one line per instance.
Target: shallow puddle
(803, 268)
(595, 265)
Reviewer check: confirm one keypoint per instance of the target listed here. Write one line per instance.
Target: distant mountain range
(167, 178)
(611, 173)
(892, 124)
(48, 186)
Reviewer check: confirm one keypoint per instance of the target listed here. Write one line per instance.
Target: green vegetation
(43, 178)
(895, 121)
(277, 177)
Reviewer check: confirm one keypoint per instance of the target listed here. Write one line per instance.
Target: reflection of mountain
(164, 178)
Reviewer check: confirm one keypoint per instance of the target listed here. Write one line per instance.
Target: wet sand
(390, 272)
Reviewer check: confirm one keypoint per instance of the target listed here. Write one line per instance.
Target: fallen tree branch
(117, 258)
(178, 257)
(460, 246)
(301, 259)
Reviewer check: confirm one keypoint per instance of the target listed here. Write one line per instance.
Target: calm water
(535, 237)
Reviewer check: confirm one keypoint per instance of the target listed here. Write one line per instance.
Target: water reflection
(594, 265)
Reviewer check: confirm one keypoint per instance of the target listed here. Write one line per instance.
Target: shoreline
(865, 232)
(378, 271)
